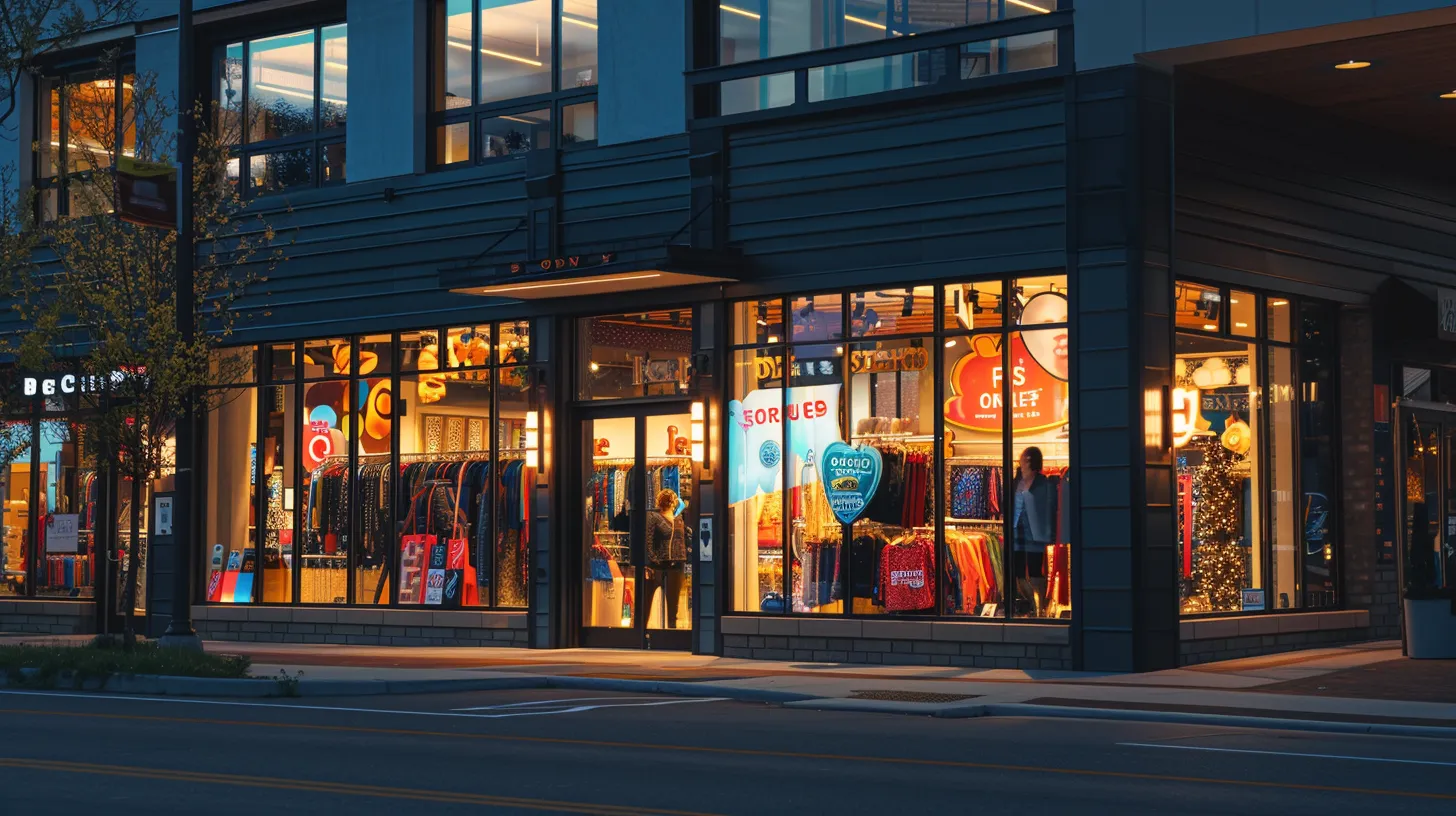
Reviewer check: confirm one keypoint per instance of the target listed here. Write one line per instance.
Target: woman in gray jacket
(1033, 528)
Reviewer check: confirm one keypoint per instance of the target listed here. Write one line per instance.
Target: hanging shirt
(907, 576)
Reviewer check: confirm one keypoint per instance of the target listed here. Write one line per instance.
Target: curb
(973, 711)
(260, 687)
(1223, 720)
(270, 687)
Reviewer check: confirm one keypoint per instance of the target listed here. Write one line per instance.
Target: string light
(1219, 560)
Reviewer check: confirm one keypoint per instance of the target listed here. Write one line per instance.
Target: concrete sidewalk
(1371, 679)
(1363, 685)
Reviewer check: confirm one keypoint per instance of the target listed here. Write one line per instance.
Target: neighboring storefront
(71, 520)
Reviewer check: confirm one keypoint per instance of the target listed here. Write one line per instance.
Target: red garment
(907, 576)
(917, 483)
(1059, 573)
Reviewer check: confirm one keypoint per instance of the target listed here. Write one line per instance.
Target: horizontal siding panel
(972, 185)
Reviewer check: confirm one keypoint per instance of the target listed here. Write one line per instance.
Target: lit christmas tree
(1218, 562)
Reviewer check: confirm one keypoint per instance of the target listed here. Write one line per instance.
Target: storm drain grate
(910, 696)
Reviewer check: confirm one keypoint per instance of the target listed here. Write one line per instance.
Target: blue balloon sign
(850, 476)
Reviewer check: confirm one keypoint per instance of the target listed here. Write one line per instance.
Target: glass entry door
(1428, 500)
(638, 505)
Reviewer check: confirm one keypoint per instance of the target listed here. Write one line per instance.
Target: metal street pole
(179, 632)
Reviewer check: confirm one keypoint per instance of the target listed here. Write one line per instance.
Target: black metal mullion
(846, 419)
(352, 528)
(785, 497)
(315, 174)
(1009, 477)
(260, 483)
(299, 476)
(937, 448)
(63, 156)
(391, 495)
(318, 85)
(245, 179)
(638, 539)
(473, 138)
(495, 466)
(1296, 465)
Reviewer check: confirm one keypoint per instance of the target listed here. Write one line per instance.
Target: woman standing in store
(1033, 530)
(666, 554)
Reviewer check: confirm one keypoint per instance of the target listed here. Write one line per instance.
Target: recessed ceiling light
(1352, 65)
(1210, 326)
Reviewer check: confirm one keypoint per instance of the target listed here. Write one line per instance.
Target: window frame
(938, 335)
(707, 74)
(1262, 340)
(554, 101)
(317, 140)
(60, 180)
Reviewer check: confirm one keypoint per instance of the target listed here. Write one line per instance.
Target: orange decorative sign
(977, 384)
(562, 264)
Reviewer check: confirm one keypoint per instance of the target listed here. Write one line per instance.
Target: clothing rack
(457, 456)
(632, 460)
(896, 437)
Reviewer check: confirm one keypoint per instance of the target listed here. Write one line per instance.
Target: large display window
(1253, 429)
(392, 471)
(902, 451)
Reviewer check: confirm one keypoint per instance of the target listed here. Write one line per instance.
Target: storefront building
(843, 346)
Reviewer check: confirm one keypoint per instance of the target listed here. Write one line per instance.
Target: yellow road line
(700, 749)
(346, 789)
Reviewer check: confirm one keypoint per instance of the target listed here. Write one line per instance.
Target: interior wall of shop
(1270, 195)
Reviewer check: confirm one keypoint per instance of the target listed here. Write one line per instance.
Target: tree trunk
(128, 597)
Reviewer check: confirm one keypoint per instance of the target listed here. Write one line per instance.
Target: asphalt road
(595, 752)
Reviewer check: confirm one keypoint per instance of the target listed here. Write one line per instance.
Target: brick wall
(892, 642)
(37, 617)
(1210, 639)
(364, 627)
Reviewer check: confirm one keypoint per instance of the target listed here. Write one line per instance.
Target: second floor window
(282, 103)
(757, 29)
(84, 118)
(509, 76)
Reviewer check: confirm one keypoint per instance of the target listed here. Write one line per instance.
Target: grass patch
(49, 666)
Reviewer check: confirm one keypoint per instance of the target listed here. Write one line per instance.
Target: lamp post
(179, 632)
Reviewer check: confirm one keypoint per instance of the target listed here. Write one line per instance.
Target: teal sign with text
(850, 476)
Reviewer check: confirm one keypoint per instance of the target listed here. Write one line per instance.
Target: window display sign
(62, 533)
(756, 434)
(851, 476)
(1038, 397)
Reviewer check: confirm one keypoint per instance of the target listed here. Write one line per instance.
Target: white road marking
(458, 714)
(621, 702)
(1288, 754)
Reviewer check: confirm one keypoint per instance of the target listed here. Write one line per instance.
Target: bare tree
(106, 307)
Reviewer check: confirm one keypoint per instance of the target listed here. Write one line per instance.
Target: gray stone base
(893, 642)
(360, 627)
(1210, 639)
(36, 616)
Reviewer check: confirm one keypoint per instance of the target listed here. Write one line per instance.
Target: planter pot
(1430, 629)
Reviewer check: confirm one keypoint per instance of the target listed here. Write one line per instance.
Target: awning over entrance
(595, 274)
